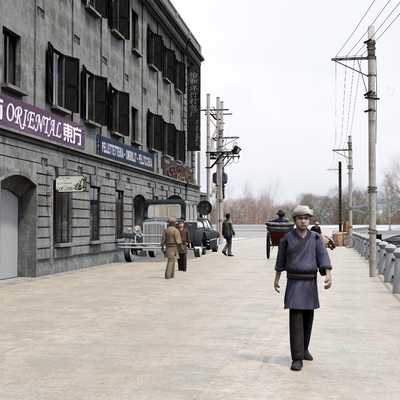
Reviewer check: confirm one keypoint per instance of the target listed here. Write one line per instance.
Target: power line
(362, 37)
(356, 27)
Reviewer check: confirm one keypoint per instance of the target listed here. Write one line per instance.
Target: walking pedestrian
(182, 248)
(169, 243)
(302, 253)
(228, 232)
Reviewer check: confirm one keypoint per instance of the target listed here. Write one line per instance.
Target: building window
(94, 213)
(118, 18)
(181, 139)
(9, 58)
(94, 97)
(135, 34)
(119, 196)
(135, 126)
(169, 66)
(118, 120)
(62, 80)
(61, 217)
(170, 139)
(155, 134)
(180, 80)
(155, 46)
(101, 6)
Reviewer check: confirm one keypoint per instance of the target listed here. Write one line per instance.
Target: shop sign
(193, 129)
(73, 183)
(23, 117)
(176, 170)
(123, 153)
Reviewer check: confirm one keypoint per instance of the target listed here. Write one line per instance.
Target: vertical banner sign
(193, 132)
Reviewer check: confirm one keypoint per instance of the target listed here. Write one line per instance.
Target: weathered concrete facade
(29, 164)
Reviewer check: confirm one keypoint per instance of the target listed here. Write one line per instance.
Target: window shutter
(158, 132)
(182, 143)
(72, 84)
(111, 106)
(49, 74)
(169, 64)
(182, 79)
(102, 7)
(158, 51)
(100, 84)
(111, 13)
(83, 92)
(150, 44)
(150, 129)
(124, 18)
(170, 139)
(124, 113)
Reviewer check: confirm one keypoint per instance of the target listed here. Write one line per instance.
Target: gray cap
(172, 221)
(302, 210)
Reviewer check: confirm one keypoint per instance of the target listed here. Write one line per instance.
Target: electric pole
(372, 98)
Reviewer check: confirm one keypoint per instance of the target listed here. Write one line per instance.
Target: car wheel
(129, 253)
(152, 253)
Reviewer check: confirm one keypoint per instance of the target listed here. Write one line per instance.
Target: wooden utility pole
(220, 171)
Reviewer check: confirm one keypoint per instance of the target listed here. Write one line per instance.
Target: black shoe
(230, 255)
(307, 356)
(297, 365)
(224, 252)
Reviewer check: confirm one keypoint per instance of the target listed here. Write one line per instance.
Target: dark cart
(276, 231)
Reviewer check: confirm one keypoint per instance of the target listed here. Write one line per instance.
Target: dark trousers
(300, 326)
(182, 264)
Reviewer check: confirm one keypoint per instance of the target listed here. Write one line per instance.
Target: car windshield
(164, 211)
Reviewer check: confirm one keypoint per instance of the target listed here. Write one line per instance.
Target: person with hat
(182, 248)
(171, 239)
(302, 254)
(316, 228)
(281, 218)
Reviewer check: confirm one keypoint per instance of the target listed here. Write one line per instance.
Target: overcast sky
(270, 62)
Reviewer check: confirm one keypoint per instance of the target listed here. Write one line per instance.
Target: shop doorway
(8, 234)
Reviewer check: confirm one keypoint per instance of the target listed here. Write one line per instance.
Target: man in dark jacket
(227, 233)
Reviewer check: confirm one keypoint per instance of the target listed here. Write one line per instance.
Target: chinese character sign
(23, 117)
(193, 132)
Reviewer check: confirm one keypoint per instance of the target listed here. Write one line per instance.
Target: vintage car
(155, 219)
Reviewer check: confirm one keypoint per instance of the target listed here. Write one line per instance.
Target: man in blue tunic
(302, 254)
(281, 215)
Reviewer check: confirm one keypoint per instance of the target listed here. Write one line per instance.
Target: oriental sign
(176, 170)
(23, 117)
(73, 183)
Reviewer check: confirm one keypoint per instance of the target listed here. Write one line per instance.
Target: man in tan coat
(169, 245)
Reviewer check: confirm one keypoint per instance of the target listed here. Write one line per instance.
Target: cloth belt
(289, 275)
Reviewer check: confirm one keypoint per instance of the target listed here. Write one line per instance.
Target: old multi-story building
(99, 110)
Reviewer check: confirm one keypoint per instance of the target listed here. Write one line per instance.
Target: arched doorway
(18, 220)
(8, 234)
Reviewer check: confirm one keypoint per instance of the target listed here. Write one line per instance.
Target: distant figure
(227, 233)
(327, 239)
(281, 214)
(171, 239)
(182, 248)
(317, 228)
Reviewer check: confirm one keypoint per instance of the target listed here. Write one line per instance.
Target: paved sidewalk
(218, 331)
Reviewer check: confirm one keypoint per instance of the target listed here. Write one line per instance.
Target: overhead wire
(362, 37)
(356, 27)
